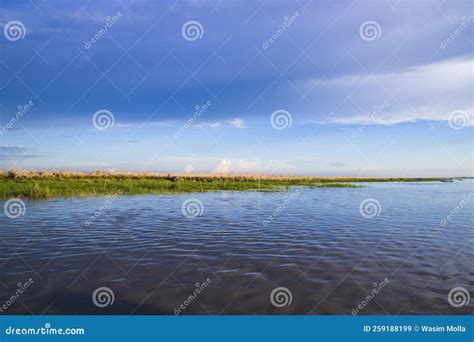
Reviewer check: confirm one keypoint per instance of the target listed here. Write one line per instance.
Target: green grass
(45, 185)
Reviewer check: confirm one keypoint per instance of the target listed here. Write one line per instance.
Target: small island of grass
(31, 184)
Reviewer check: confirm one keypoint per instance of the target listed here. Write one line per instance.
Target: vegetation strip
(29, 184)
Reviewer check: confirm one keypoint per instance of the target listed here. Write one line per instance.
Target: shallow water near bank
(314, 242)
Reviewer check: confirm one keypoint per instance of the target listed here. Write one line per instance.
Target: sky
(356, 88)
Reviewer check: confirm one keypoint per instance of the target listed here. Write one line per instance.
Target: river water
(387, 248)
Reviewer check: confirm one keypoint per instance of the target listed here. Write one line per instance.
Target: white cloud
(18, 152)
(393, 119)
(188, 168)
(247, 166)
(121, 125)
(223, 166)
(237, 123)
(209, 124)
(252, 166)
(426, 92)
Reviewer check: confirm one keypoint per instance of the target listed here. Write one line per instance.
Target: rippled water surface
(314, 242)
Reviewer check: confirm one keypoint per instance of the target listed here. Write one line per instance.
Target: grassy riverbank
(28, 184)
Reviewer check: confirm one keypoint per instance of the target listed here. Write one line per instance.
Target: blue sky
(393, 99)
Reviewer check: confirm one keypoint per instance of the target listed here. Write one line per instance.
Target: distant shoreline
(31, 184)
